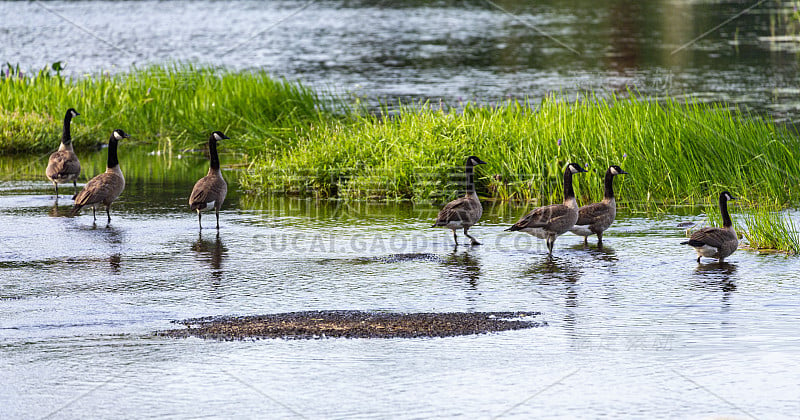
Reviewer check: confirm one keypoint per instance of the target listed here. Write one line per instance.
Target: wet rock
(353, 324)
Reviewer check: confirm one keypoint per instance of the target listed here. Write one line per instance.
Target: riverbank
(300, 142)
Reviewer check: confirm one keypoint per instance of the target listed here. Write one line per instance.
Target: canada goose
(211, 189)
(595, 218)
(465, 211)
(63, 165)
(714, 242)
(549, 222)
(106, 187)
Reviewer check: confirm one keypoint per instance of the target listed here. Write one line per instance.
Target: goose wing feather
(207, 189)
(592, 213)
(459, 210)
(61, 164)
(100, 188)
(711, 236)
(542, 217)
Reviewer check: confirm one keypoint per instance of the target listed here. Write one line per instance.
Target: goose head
(217, 136)
(474, 160)
(616, 170)
(72, 113)
(119, 134)
(574, 168)
(726, 196)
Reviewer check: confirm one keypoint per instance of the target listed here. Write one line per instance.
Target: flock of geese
(550, 222)
(64, 167)
(547, 222)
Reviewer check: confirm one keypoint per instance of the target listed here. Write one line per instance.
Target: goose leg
(455, 238)
(217, 212)
(600, 239)
(473, 240)
(75, 189)
(585, 240)
(698, 259)
(550, 242)
(56, 185)
(94, 208)
(199, 218)
(108, 212)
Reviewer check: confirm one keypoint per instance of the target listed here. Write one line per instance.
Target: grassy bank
(299, 142)
(770, 230)
(676, 153)
(175, 106)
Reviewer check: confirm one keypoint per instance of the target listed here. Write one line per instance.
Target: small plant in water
(770, 230)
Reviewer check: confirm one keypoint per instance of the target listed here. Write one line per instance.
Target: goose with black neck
(549, 222)
(595, 218)
(210, 190)
(63, 165)
(714, 242)
(464, 212)
(107, 186)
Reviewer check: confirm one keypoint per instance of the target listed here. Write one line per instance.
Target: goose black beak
(622, 172)
(480, 162)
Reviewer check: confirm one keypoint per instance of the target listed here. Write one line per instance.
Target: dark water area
(405, 51)
(637, 328)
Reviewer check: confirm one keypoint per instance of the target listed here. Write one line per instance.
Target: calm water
(637, 329)
(451, 50)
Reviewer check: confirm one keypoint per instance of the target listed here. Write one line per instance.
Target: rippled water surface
(637, 329)
(464, 50)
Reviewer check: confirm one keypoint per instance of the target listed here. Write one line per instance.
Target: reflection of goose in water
(560, 278)
(464, 265)
(716, 277)
(211, 252)
(115, 260)
(602, 252)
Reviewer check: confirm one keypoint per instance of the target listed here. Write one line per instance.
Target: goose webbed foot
(473, 241)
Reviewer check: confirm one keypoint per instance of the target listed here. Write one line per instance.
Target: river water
(478, 50)
(637, 329)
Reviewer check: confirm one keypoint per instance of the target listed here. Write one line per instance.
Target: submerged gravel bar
(353, 324)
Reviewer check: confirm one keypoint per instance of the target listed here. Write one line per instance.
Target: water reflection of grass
(137, 163)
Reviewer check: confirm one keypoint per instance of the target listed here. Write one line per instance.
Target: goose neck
(66, 138)
(726, 217)
(212, 151)
(569, 192)
(112, 152)
(470, 179)
(608, 194)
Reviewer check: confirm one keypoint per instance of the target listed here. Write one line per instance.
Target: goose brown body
(714, 242)
(105, 187)
(210, 190)
(63, 165)
(595, 218)
(549, 222)
(464, 212)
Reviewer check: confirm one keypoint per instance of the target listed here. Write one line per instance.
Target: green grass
(676, 153)
(297, 141)
(176, 106)
(770, 230)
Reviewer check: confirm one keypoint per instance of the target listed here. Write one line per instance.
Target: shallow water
(637, 329)
(407, 50)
